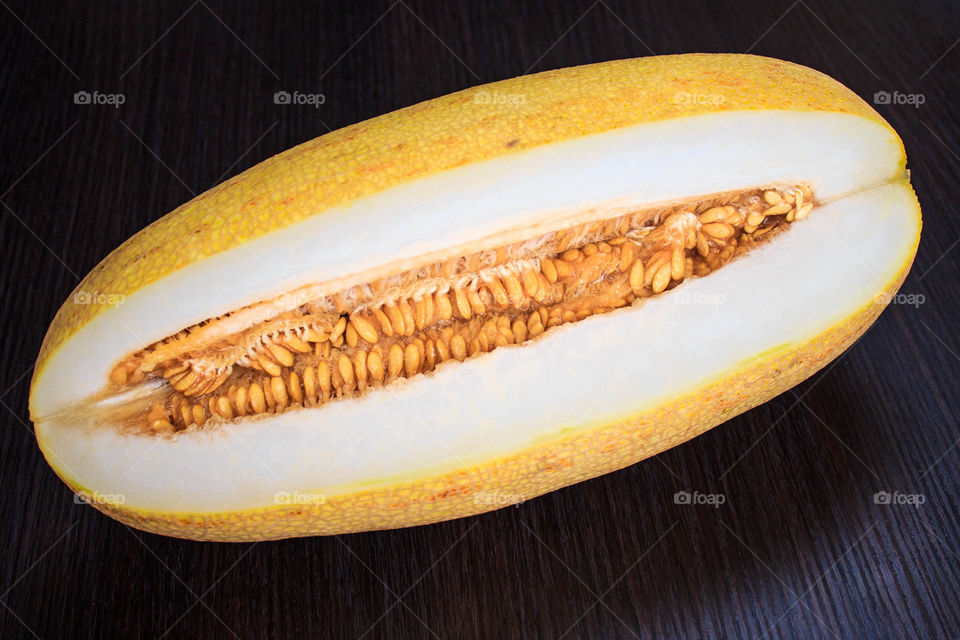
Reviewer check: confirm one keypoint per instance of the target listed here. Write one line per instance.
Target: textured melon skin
(428, 138)
(533, 472)
(440, 134)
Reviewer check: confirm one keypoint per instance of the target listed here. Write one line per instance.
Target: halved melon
(472, 302)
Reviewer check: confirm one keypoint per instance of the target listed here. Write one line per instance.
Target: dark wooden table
(800, 549)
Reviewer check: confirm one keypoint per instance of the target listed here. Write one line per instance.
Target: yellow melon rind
(440, 134)
(533, 472)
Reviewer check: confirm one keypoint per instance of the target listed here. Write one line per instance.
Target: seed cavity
(372, 335)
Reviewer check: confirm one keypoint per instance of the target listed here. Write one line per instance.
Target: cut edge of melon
(203, 478)
(694, 156)
(447, 132)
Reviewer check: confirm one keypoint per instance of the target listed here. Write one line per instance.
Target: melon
(474, 301)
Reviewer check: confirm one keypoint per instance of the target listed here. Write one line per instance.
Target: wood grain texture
(798, 550)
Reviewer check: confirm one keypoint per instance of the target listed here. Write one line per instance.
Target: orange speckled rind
(440, 134)
(532, 472)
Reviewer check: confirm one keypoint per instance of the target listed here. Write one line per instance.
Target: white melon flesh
(591, 372)
(835, 154)
(597, 371)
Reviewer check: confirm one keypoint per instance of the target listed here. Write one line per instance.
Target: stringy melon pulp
(347, 343)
